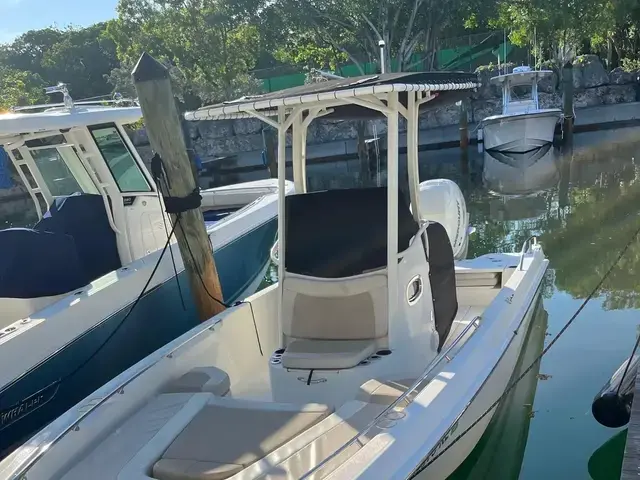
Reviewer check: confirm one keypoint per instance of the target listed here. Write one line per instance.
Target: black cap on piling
(148, 68)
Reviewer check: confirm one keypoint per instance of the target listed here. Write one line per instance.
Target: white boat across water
(66, 285)
(523, 125)
(365, 361)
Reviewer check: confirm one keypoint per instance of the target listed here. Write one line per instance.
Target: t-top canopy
(522, 77)
(450, 87)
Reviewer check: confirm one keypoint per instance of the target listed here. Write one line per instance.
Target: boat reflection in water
(606, 462)
(521, 183)
(521, 173)
(500, 452)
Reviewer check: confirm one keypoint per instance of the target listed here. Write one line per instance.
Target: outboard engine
(442, 201)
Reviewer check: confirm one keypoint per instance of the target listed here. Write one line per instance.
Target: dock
(631, 461)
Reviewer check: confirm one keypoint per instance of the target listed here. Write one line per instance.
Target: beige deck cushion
(326, 354)
(201, 379)
(230, 434)
(384, 393)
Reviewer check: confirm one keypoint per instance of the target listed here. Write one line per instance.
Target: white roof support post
(282, 171)
(298, 154)
(412, 154)
(392, 209)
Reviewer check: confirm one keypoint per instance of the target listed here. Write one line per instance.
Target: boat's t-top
(391, 95)
(520, 89)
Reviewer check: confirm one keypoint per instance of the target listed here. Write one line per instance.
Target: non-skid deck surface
(465, 315)
(200, 436)
(111, 455)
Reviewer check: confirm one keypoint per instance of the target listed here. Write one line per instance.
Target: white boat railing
(419, 384)
(526, 247)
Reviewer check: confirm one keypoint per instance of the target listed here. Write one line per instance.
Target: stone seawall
(242, 140)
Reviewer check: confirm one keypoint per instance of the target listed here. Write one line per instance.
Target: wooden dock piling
(165, 133)
(567, 102)
(464, 125)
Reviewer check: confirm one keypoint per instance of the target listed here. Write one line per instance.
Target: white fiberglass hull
(71, 331)
(520, 132)
(493, 388)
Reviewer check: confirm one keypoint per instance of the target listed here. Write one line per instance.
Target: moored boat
(367, 358)
(523, 125)
(68, 283)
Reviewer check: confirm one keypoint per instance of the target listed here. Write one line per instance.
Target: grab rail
(475, 323)
(525, 248)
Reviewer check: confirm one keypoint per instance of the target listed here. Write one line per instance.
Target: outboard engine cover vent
(442, 201)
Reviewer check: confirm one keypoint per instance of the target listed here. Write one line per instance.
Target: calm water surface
(584, 205)
(585, 211)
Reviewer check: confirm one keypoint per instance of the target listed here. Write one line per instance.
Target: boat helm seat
(333, 323)
(334, 290)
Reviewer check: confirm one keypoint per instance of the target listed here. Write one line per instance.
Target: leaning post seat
(334, 290)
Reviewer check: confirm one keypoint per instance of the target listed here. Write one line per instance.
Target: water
(584, 211)
(585, 214)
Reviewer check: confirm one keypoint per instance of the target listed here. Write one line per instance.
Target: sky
(19, 16)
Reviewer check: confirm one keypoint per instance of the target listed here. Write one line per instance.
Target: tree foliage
(78, 57)
(355, 27)
(214, 44)
(19, 88)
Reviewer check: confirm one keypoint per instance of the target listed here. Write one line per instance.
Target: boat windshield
(120, 161)
(59, 166)
(521, 93)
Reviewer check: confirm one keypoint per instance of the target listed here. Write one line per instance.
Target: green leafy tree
(79, 57)
(213, 43)
(560, 26)
(20, 88)
(354, 28)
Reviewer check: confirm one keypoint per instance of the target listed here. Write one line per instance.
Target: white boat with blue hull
(68, 284)
(366, 360)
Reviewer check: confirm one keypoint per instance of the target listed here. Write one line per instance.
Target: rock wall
(593, 85)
